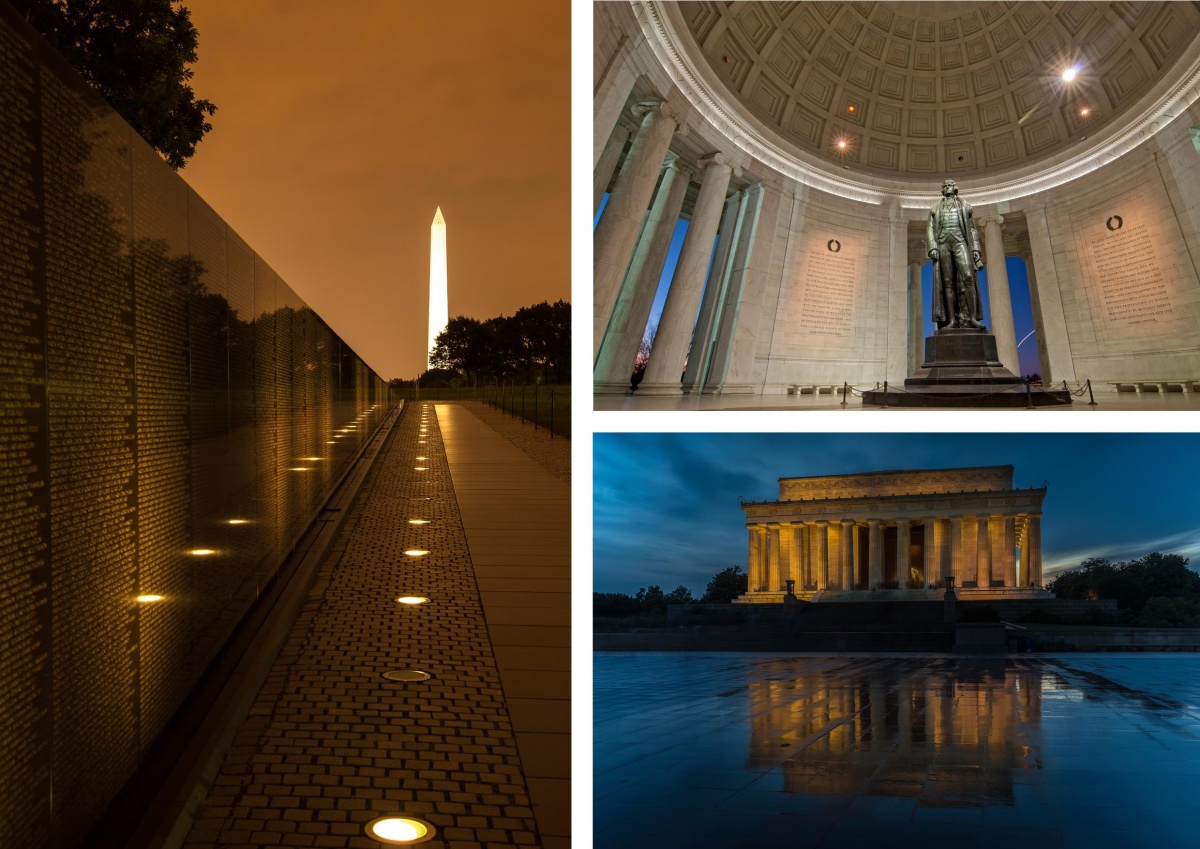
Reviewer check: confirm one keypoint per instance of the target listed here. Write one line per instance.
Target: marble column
(903, 553)
(617, 232)
(932, 565)
(773, 559)
(897, 294)
(954, 560)
(874, 553)
(822, 555)
(607, 164)
(1048, 317)
(1033, 554)
(800, 547)
(999, 300)
(787, 558)
(623, 335)
(754, 562)
(983, 555)
(917, 257)
(670, 351)
(1010, 551)
(611, 92)
(856, 556)
(848, 547)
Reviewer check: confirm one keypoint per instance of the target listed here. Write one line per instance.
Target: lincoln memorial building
(897, 535)
(802, 145)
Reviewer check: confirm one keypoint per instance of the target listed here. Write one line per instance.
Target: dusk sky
(341, 128)
(666, 505)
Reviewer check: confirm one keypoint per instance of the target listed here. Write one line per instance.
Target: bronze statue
(954, 248)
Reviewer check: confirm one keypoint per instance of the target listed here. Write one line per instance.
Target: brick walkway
(330, 744)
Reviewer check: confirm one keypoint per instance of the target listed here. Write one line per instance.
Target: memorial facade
(884, 535)
(805, 143)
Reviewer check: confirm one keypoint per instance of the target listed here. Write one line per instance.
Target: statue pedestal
(962, 369)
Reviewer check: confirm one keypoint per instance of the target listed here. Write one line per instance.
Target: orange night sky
(341, 128)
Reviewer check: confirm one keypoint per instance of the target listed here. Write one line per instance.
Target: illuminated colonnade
(897, 530)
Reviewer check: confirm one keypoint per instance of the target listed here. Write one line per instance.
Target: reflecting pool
(763, 750)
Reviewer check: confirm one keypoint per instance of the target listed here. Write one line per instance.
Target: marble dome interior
(913, 90)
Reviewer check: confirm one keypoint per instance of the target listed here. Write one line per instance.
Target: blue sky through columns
(666, 511)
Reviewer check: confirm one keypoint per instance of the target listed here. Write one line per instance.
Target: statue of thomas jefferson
(954, 248)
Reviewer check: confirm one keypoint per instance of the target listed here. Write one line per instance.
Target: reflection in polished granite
(759, 750)
(1105, 401)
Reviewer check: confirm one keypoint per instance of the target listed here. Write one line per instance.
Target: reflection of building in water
(897, 530)
(949, 733)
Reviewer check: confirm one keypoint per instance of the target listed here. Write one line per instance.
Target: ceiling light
(406, 599)
(842, 143)
(1069, 74)
(850, 108)
(400, 830)
(1085, 111)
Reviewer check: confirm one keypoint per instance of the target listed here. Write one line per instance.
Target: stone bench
(1157, 386)
(814, 389)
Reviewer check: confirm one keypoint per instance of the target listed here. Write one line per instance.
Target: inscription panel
(829, 285)
(1132, 288)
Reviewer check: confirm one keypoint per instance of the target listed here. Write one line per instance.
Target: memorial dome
(881, 92)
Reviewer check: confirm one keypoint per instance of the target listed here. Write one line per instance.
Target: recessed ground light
(407, 675)
(418, 521)
(401, 831)
(312, 459)
(421, 468)
(422, 458)
(407, 599)
(202, 552)
(147, 599)
(237, 521)
(416, 552)
(298, 469)
(331, 442)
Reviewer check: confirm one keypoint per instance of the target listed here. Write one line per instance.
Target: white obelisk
(439, 307)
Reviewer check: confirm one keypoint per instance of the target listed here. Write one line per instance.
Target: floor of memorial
(481, 750)
(1104, 401)
(742, 751)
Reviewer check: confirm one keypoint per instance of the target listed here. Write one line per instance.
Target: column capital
(719, 158)
(986, 221)
(665, 108)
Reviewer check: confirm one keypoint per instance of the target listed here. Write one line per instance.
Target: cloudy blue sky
(666, 509)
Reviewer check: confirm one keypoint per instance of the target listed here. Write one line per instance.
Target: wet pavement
(743, 751)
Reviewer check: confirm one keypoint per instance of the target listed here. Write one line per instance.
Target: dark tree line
(1134, 584)
(723, 588)
(533, 345)
(136, 54)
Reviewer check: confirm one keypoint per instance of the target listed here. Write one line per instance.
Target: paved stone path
(330, 744)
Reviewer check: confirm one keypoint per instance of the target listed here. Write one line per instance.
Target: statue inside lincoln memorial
(954, 248)
(962, 366)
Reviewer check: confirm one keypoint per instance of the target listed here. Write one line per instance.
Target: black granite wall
(157, 380)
